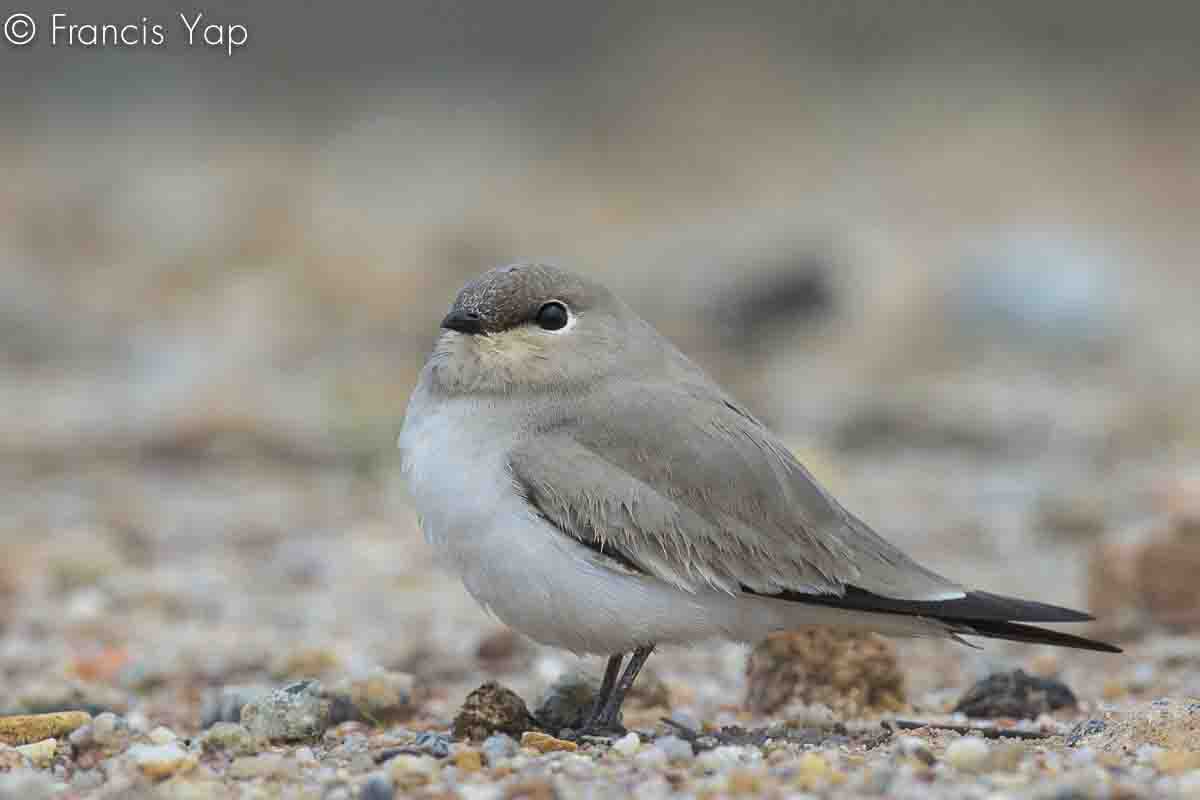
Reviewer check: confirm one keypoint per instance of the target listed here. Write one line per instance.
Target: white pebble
(161, 735)
(969, 754)
(40, 753)
(161, 760)
(675, 748)
(628, 744)
(914, 747)
(725, 756)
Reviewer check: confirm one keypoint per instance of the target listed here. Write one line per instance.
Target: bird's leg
(608, 716)
(611, 671)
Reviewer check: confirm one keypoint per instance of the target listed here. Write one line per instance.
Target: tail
(983, 614)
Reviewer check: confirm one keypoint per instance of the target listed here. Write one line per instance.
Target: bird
(598, 492)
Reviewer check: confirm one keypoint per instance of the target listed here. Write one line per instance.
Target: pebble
(41, 754)
(685, 720)
(161, 735)
(305, 757)
(497, 748)
(435, 744)
(263, 765)
(377, 787)
(628, 744)
(225, 704)
(813, 770)
(745, 782)
(379, 697)
(231, 738)
(10, 759)
(725, 756)
(110, 730)
(675, 748)
(545, 743)
(915, 748)
(409, 771)
(30, 728)
(81, 738)
(468, 760)
(489, 709)
(295, 712)
(567, 702)
(969, 754)
(161, 761)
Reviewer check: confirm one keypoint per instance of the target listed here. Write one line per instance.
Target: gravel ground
(242, 622)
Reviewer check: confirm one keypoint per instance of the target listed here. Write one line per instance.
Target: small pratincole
(598, 492)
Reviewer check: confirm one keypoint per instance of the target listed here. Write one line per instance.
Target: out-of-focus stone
(851, 673)
(1148, 576)
(497, 748)
(40, 754)
(377, 787)
(969, 754)
(295, 712)
(468, 760)
(161, 735)
(1015, 695)
(491, 709)
(306, 662)
(263, 765)
(628, 744)
(57, 695)
(1167, 567)
(29, 728)
(231, 738)
(675, 748)
(224, 704)
(531, 789)
(380, 697)
(1081, 514)
(161, 761)
(11, 758)
(409, 771)
(80, 557)
(545, 743)
(499, 645)
(110, 730)
(567, 701)
(649, 691)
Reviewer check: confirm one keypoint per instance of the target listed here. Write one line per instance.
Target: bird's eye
(552, 316)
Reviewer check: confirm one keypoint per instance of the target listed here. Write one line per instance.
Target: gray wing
(679, 482)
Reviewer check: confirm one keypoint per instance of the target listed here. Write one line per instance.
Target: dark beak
(463, 322)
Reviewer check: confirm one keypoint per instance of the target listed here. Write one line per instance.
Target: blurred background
(948, 250)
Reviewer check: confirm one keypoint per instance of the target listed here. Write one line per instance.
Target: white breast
(537, 579)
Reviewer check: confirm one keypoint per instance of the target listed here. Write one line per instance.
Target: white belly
(544, 584)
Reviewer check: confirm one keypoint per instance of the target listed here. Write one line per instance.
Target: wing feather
(697, 492)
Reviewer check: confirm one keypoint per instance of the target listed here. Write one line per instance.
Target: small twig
(988, 732)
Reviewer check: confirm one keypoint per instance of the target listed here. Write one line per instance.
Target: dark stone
(492, 709)
(377, 787)
(1015, 695)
